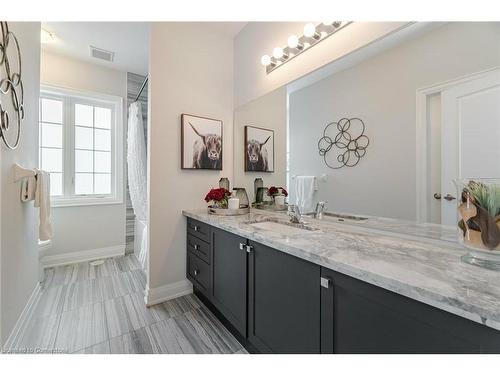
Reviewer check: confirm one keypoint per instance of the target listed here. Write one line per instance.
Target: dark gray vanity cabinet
(357, 317)
(284, 302)
(198, 255)
(279, 303)
(228, 290)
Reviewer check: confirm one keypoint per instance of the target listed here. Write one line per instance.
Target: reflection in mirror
(429, 103)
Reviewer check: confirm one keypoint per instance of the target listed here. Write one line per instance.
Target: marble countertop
(406, 258)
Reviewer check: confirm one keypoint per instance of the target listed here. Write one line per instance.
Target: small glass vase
(479, 220)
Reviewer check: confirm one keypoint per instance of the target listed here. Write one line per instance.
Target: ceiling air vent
(101, 54)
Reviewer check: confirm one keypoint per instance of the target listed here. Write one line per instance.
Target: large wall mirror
(430, 103)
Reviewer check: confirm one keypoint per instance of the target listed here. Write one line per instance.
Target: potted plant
(218, 197)
(479, 210)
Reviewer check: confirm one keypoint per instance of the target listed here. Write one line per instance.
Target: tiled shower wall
(134, 82)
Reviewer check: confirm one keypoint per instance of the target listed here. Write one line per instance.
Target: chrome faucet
(294, 214)
(320, 208)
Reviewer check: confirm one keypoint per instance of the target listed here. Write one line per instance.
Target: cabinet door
(284, 302)
(229, 277)
(358, 317)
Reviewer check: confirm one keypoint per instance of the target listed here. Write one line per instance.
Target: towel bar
(323, 177)
(21, 172)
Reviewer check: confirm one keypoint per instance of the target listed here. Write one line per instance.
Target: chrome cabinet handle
(449, 197)
(242, 246)
(196, 228)
(249, 248)
(196, 272)
(196, 247)
(437, 195)
(325, 283)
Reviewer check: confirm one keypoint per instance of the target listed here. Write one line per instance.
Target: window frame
(69, 98)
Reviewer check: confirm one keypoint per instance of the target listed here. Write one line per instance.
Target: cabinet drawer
(198, 272)
(198, 247)
(198, 229)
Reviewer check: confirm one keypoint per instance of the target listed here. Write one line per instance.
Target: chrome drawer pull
(196, 228)
(196, 272)
(325, 283)
(242, 246)
(196, 247)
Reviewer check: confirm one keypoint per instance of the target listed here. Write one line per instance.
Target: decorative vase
(479, 220)
(224, 183)
(241, 194)
(257, 183)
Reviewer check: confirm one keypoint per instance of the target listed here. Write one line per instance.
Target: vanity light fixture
(279, 53)
(310, 31)
(294, 42)
(313, 34)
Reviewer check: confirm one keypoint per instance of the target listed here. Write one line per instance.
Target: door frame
(421, 135)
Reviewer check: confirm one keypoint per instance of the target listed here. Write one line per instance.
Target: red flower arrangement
(273, 190)
(218, 196)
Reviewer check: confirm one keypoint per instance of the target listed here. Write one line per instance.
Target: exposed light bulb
(265, 60)
(278, 52)
(46, 36)
(310, 30)
(293, 41)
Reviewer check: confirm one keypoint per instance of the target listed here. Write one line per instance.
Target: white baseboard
(165, 292)
(23, 318)
(82, 256)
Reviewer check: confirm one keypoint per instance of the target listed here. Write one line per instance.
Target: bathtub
(141, 241)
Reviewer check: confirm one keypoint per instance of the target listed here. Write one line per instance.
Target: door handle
(249, 248)
(196, 228)
(196, 272)
(242, 246)
(449, 197)
(437, 195)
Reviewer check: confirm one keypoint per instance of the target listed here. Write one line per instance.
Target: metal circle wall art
(343, 143)
(11, 87)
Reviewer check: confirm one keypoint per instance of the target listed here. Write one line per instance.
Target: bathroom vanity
(337, 287)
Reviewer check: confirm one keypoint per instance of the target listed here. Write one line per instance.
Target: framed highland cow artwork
(259, 149)
(201, 142)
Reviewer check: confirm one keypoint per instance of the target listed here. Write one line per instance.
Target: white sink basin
(285, 228)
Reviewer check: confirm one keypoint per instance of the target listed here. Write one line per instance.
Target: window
(81, 146)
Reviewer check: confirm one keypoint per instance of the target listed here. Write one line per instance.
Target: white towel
(42, 200)
(305, 187)
(28, 189)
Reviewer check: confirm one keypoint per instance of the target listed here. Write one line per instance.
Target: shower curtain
(137, 179)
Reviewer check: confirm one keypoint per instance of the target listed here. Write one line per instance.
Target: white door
(470, 142)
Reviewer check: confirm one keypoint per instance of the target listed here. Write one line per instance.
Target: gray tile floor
(100, 309)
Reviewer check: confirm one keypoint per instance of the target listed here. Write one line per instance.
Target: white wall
(381, 91)
(269, 112)
(191, 71)
(259, 38)
(19, 222)
(81, 228)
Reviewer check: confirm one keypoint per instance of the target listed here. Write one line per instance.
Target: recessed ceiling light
(47, 37)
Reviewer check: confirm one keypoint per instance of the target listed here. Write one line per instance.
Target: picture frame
(201, 142)
(259, 149)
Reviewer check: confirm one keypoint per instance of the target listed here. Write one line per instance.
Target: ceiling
(228, 28)
(128, 40)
